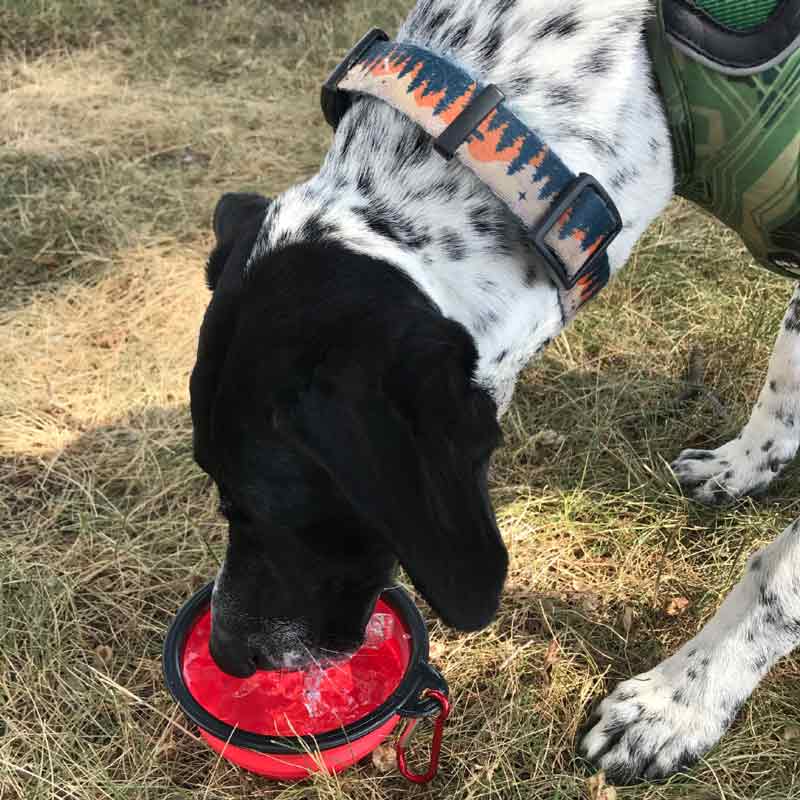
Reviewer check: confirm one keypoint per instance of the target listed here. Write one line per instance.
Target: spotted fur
(767, 443)
(576, 72)
(664, 720)
(411, 201)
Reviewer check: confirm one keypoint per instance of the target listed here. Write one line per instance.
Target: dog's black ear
(418, 484)
(237, 216)
(237, 221)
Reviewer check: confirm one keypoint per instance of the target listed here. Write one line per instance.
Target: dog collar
(570, 218)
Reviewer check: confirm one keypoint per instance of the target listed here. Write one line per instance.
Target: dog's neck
(580, 76)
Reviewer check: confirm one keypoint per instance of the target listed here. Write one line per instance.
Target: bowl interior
(300, 703)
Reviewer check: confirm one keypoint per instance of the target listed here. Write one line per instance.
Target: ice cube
(379, 629)
(290, 685)
(247, 687)
(371, 687)
(339, 680)
(312, 689)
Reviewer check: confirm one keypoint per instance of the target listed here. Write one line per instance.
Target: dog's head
(336, 411)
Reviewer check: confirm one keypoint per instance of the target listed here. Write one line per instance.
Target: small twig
(695, 387)
(55, 786)
(110, 683)
(661, 562)
(517, 651)
(695, 377)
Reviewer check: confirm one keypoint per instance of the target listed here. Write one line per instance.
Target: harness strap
(735, 124)
(570, 218)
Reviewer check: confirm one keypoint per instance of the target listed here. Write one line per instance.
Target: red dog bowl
(289, 724)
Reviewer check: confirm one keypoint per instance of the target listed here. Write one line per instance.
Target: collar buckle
(566, 202)
(336, 103)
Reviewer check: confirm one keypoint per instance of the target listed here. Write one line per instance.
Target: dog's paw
(737, 469)
(651, 727)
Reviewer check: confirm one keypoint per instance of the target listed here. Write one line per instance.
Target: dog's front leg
(749, 463)
(663, 720)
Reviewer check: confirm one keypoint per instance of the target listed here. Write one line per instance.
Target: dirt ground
(121, 122)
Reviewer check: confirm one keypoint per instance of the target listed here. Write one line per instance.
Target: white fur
(619, 130)
(608, 122)
(769, 441)
(664, 719)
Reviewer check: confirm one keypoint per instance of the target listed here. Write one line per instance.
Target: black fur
(440, 20)
(460, 36)
(490, 47)
(792, 321)
(237, 221)
(679, 697)
(563, 94)
(454, 244)
(562, 25)
(316, 228)
(335, 409)
(392, 225)
(599, 62)
(349, 138)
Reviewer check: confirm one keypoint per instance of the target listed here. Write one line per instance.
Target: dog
(364, 336)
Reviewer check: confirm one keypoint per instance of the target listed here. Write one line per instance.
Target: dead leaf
(551, 658)
(384, 758)
(598, 789)
(790, 732)
(627, 620)
(553, 654)
(437, 651)
(595, 784)
(590, 601)
(676, 606)
(104, 653)
(548, 438)
(110, 340)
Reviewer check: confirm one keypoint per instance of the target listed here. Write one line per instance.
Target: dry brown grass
(119, 124)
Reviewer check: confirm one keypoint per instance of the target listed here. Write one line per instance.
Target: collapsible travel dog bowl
(268, 723)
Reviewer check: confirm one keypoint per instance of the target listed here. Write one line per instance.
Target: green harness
(729, 72)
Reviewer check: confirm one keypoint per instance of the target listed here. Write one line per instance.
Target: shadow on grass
(614, 429)
(121, 522)
(107, 537)
(129, 493)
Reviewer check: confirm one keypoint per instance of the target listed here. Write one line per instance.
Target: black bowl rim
(404, 701)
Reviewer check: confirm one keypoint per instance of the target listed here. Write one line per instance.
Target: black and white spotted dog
(365, 333)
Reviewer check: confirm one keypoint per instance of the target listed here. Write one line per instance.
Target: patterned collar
(570, 218)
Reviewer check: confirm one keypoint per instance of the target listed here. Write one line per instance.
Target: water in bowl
(312, 701)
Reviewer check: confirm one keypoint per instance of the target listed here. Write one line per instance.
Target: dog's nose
(232, 653)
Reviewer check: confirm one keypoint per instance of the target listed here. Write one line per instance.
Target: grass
(120, 124)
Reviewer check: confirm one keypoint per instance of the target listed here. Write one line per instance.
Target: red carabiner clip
(436, 747)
